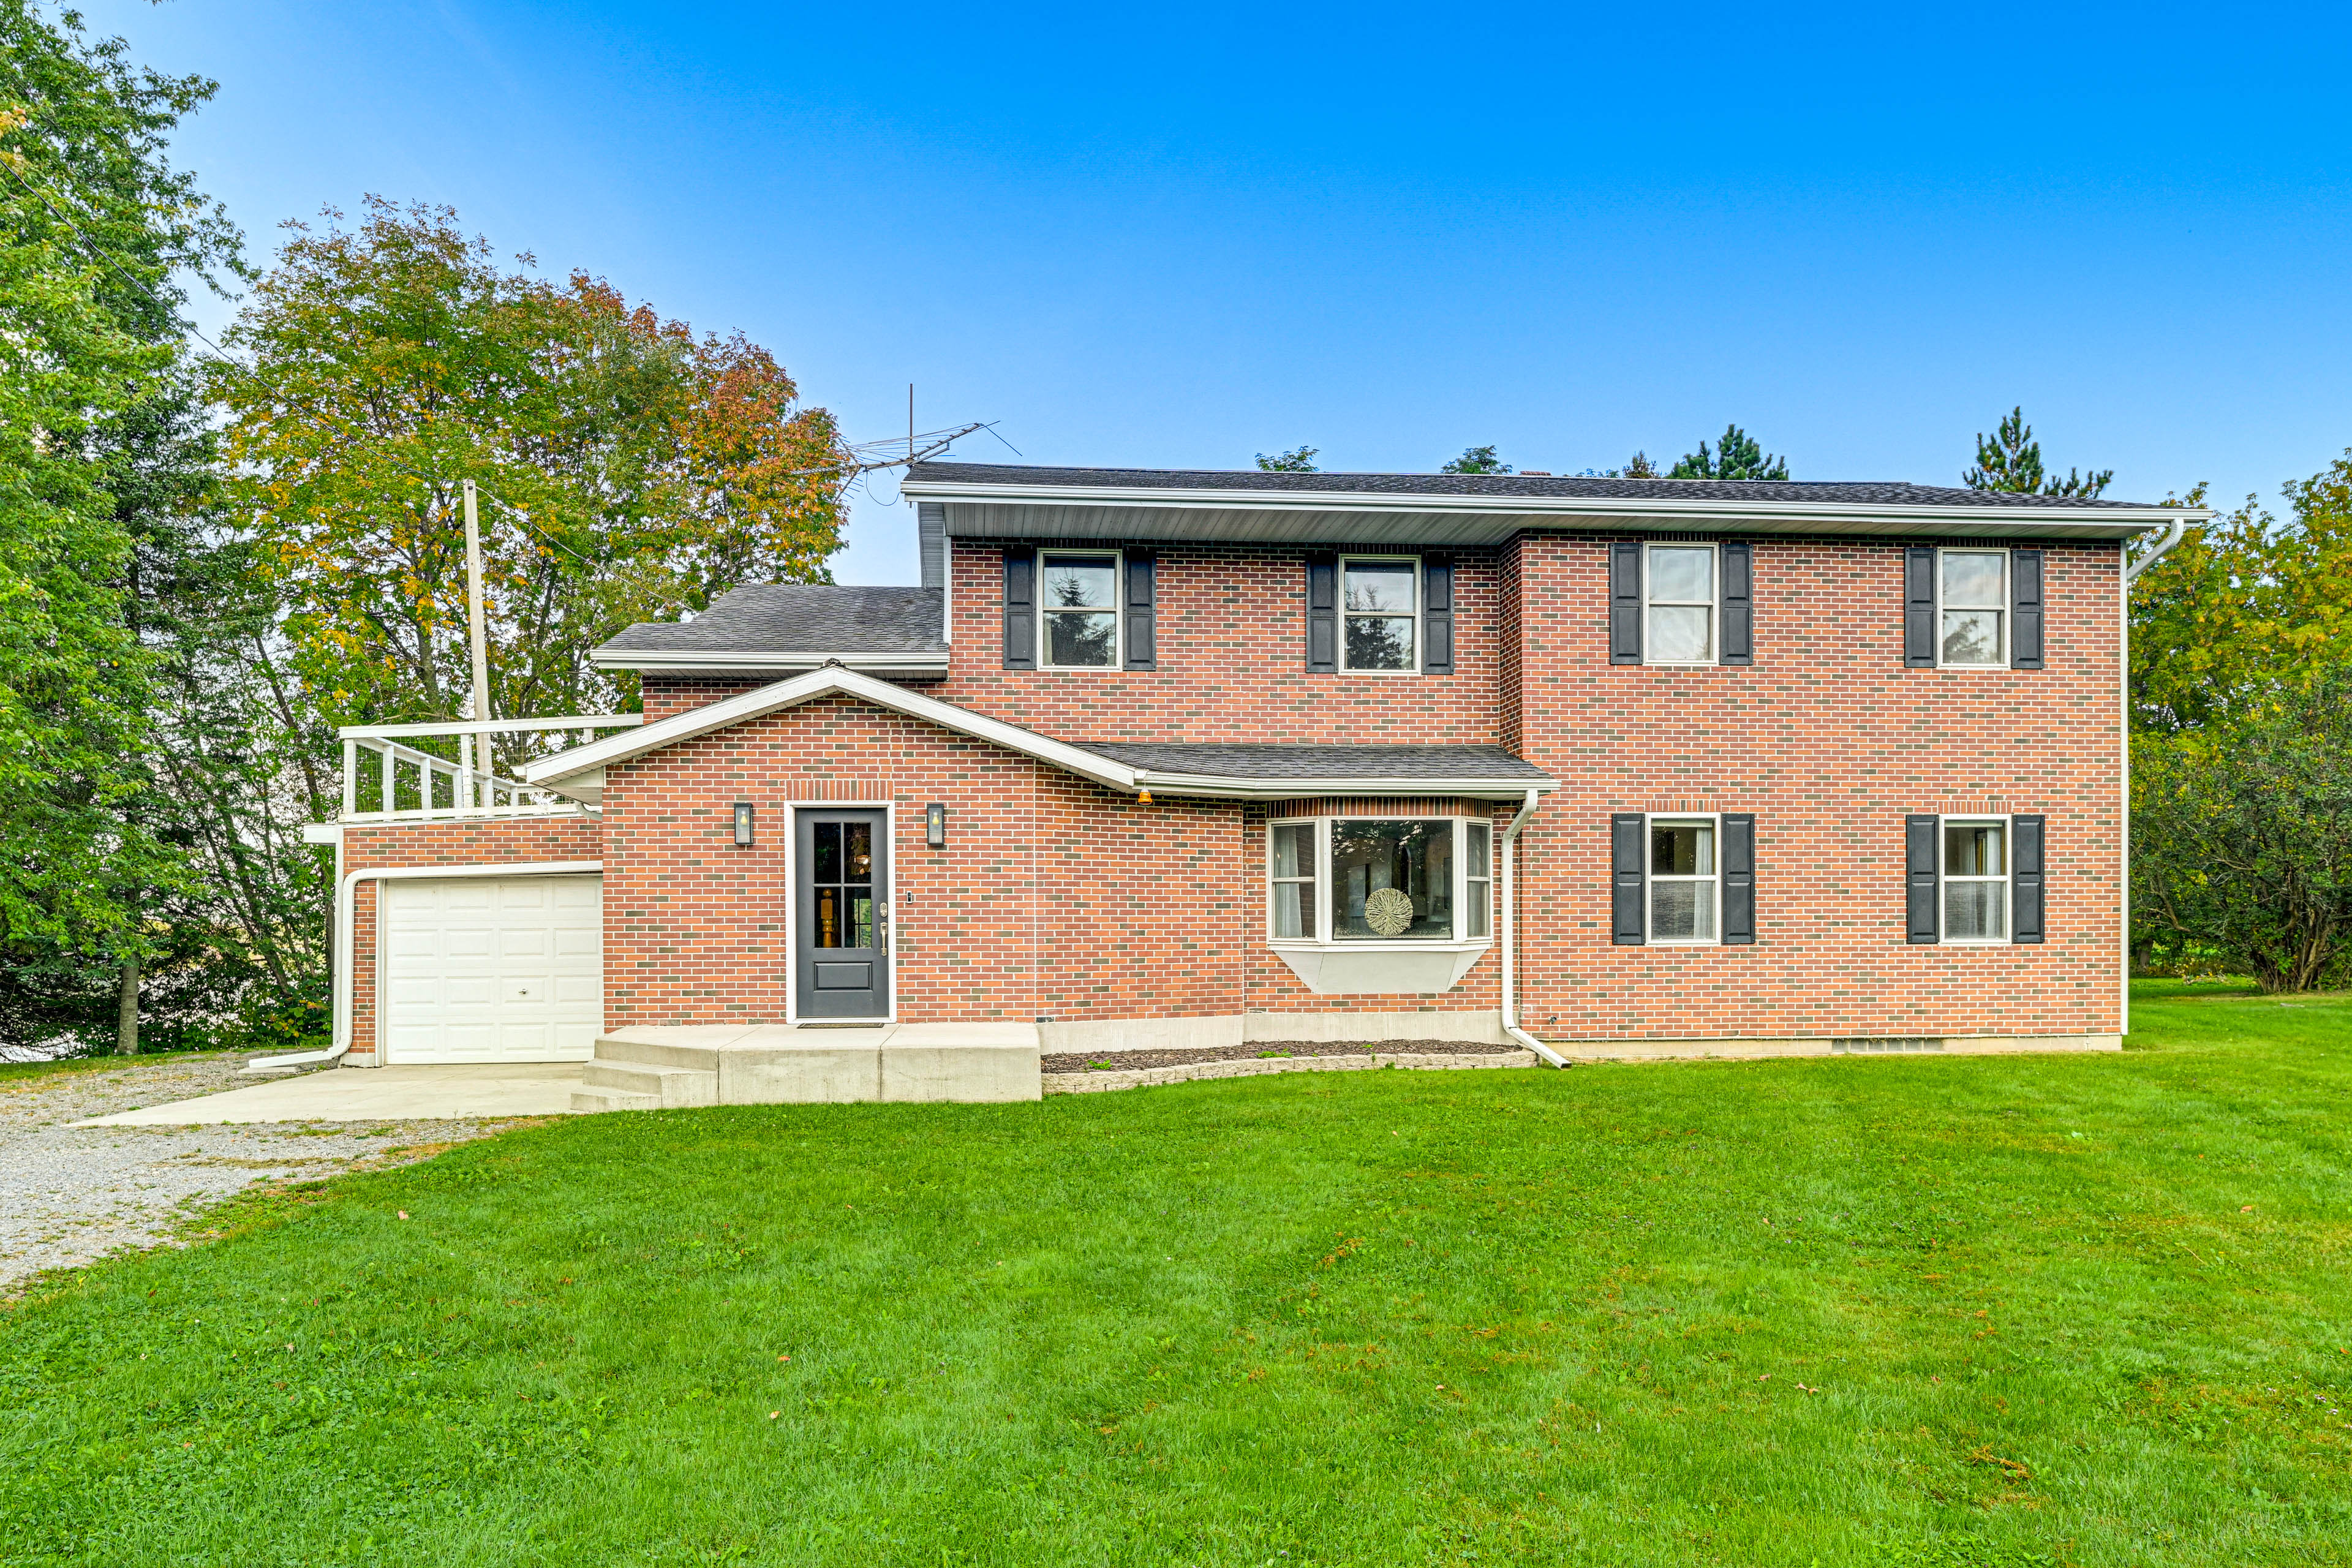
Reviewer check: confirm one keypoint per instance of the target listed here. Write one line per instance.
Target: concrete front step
(651, 1068)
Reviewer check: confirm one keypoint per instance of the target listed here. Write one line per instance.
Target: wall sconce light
(935, 825)
(744, 825)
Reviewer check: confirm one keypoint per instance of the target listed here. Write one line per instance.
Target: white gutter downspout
(2174, 530)
(1510, 943)
(346, 923)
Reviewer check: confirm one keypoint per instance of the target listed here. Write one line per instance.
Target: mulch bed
(1127, 1061)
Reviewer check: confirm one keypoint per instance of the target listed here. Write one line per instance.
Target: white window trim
(1117, 558)
(1323, 941)
(1339, 592)
(2007, 609)
(1649, 878)
(2007, 878)
(1714, 608)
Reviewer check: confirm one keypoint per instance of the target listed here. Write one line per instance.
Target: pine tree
(1738, 456)
(2011, 460)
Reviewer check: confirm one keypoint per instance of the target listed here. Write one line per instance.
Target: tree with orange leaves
(630, 471)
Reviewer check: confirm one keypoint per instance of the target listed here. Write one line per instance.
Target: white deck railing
(414, 785)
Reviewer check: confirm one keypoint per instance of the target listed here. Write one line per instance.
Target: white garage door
(493, 968)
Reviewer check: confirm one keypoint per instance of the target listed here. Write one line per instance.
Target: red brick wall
(1053, 898)
(1831, 742)
(508, 841)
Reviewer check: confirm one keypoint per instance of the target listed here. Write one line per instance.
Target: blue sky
(1180, 235)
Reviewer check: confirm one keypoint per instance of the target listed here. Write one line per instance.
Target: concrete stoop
(781, 1063)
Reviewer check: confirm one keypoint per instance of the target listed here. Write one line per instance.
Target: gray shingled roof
(1503, 486)
(798, 617)
(1244, 762)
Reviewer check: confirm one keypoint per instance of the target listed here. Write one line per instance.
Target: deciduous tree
(1476, 460)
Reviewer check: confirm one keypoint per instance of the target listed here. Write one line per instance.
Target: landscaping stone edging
(1144, 1078)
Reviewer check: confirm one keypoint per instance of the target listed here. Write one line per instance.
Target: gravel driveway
(69, 1196)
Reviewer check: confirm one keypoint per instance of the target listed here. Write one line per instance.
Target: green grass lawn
(2000, 1311)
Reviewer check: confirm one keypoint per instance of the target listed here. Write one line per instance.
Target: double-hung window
(1683, 890)
(1975, 879)
(1972, 608)
(1343, 880)
(1678, 611)
(1077, 612)
(1380, 598)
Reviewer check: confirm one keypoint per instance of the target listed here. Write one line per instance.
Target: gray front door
(842, 905)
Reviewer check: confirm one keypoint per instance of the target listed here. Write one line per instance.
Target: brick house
(1611, 767)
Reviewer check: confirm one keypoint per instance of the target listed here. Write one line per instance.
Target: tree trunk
(126, 1027)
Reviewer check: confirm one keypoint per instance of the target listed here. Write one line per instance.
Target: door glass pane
(858, 839)
(861, 919)
(828, 918)
(1379, 642)
(1684, 575)
(1392, 879)
(1973, 849)
(1979, 909)
(1681, 634)
(1080, 582)
(1084, 641)
(1681, 848)
(1971, 637)
(828, 854)
(1972, 579)
(1380, 586)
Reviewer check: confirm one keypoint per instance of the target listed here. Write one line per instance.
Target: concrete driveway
(375, 1094)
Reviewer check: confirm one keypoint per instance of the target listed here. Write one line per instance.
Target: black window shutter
(1020, 607)
(2025, 879)
(1625, 878)
(1919, 608)
(2025, 610)
(1739, 612)
(1923, 878)
(1738, 878)
(1142, 611)
(1436, 616)
(1322, 612)
(1626, 602)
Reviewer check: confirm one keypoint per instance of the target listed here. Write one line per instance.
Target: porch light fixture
(744, 825)
(935, 825)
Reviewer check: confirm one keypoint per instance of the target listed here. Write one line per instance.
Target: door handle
(881, 925)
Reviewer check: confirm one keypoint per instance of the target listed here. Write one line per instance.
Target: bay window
(1346, 879)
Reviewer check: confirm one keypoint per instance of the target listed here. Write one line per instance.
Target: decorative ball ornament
(1389, 910)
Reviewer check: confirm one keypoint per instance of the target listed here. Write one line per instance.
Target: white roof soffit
(574, 766)
(1309, 516)
(706, 661)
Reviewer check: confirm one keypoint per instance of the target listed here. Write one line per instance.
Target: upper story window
(1972, 602)
(1379, 600)
(1681, 603)
(1400, 879)
(1077, 618)
(1679, 612)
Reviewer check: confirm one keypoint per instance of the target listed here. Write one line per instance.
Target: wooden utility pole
(480, 702)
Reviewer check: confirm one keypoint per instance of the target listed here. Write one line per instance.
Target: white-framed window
(1334, 881)
(1971, 607)
(1684, 880)
(1974, 876)
(1379, 613)
(1477, 880)
(1679, 594)
(1078, 609)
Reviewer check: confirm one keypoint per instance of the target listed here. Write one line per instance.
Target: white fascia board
(2004, 518)
(1220, 788)
(702, 661)
(698, 721)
